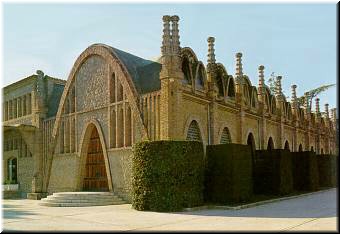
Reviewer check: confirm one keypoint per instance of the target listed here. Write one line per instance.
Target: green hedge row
(228, 176)
(272, 172)
(167, 175)
(171, 175)
(327, 165)
(305, 171)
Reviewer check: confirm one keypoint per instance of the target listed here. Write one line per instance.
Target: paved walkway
(312, 212)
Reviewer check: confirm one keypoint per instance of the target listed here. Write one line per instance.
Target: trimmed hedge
(272, 172)
(327, 166)
(228, 173)
(305, 171)
(167, 175)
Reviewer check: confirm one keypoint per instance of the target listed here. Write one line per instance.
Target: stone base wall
(121, 166)
(64, 173)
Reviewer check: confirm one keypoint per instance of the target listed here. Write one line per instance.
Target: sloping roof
(144, 73)
(53, 101)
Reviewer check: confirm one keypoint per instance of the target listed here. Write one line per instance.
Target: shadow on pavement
(311, 206)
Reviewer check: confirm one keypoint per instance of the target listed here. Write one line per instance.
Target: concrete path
(316, 212)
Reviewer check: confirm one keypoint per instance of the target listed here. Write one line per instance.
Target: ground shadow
(10, 211)
(323, 204)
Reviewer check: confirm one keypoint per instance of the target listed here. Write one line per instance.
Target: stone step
(80, 200)
(69, 199)
(84, 197)
(84, 193)
(81, 204)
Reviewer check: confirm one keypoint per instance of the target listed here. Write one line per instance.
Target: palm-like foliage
(272, 80)
(312, 94)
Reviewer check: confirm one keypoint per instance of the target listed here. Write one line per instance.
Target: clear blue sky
(297, 41)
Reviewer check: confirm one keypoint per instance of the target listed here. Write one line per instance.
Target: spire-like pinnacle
(211, 50)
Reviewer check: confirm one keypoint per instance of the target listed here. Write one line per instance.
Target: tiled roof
(144, 73)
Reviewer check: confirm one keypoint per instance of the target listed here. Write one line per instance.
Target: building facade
(29, 109)
(113, 99)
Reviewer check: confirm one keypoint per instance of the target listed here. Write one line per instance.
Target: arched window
(231, 87)
(120, 92)
(254, 99)
(199, 82)
(120, 127)
(73, 135)
(73, 99)
(219, 83)
(128, 134)
(287, 145)
(61, 137)
(186, 70)
(12, 170)
(113, 88)
(194, 133)
(225, 138)
(270, 144)
(273, 105)
(113, 129)
(300, 148)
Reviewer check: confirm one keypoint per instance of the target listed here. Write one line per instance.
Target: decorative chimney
(326, 110)
(239, 71)
(317, 106)
(211, 50)
(175, 35)
(294, 98)
(166, 42)
(306, 102)
(239, 76)
(278, 88)
(261, 89)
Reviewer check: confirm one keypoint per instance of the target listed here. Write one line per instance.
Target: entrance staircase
(78, 199)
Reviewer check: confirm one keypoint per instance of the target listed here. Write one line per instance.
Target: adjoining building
(77, 135)
(29, 109)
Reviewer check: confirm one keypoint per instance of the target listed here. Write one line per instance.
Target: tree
(272, 81)
(312, 94)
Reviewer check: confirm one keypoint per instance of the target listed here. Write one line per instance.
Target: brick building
(77, 135)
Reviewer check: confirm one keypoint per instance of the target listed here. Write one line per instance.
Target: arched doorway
(300, 148)
(312, 149)
(251, 142)
(95, 177)
(270, 145)
(287, 145)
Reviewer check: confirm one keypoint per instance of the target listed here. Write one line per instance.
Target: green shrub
(327, 166)
(272, 172)
(228, 176)
(305, 171)
(167, 175)
(10, 182)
